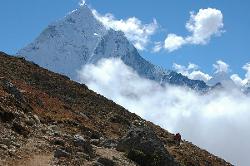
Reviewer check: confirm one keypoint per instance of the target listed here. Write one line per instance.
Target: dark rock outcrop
(84, 145)
(145, 148)
(61, 153)
(106, 162)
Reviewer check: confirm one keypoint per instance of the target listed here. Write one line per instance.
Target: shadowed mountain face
(79, 39)
(48, 119)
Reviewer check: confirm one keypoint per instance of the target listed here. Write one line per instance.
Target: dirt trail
(36, 160)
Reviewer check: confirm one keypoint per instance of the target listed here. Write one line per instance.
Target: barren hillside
(47, 119)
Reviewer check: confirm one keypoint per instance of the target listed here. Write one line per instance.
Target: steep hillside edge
(46, 116)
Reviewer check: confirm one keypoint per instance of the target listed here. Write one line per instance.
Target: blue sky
(22, 21)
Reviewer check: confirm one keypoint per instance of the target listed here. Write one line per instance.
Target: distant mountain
(79, 39)
(246, 88)
(224, 79)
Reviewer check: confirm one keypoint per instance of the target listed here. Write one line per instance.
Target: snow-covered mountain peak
(80, 38)
(83, 19)
(72, 39)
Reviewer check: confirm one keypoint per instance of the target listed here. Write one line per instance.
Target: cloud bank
(222, 74)
(137, 32)
(202, 26)
(218, 122)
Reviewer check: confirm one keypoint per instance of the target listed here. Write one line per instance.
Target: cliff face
(45, 118)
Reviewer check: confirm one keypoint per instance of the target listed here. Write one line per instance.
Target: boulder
(109, 143)
(58, 141)
(84, 145)
(61, 153)
(143, 146)
(120, 120)
(106, 162)
(21, 129)
(6, 116)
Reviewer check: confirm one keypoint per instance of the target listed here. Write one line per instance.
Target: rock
(11, 89)
(92, 134)
(15, 144)
(30, 122)
(120, 120)
(12, 147)
(6, 141)
(36, 118)
(6, 116)
(11, 152)
(61, 153)
(83, 155)
(106, 162)
(145, 148)
(57, 133)
(97, 164)
(58, 141)
(20, 129)
(84, 116)
(109, 143)
(95, 142)
(83, 145)
(2, 146)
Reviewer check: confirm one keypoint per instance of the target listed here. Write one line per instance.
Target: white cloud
(202, 26)
(180, 69)
(192, 72)
(221, 74)
(199, 75)
(218, 121)
(221, 67)
(238, 80)
(82, 2)
(173, 42)
(137, 32)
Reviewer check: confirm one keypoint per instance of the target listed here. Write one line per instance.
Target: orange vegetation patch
(43, 104)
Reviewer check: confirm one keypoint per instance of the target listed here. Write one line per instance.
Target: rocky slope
(47, 119)
(79, 38)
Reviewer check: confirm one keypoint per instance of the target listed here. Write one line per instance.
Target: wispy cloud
(192, 72)
(137, 32)
(218, 121)
(242, 81)
(202, 26)
(221, 67)
(157, 47)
